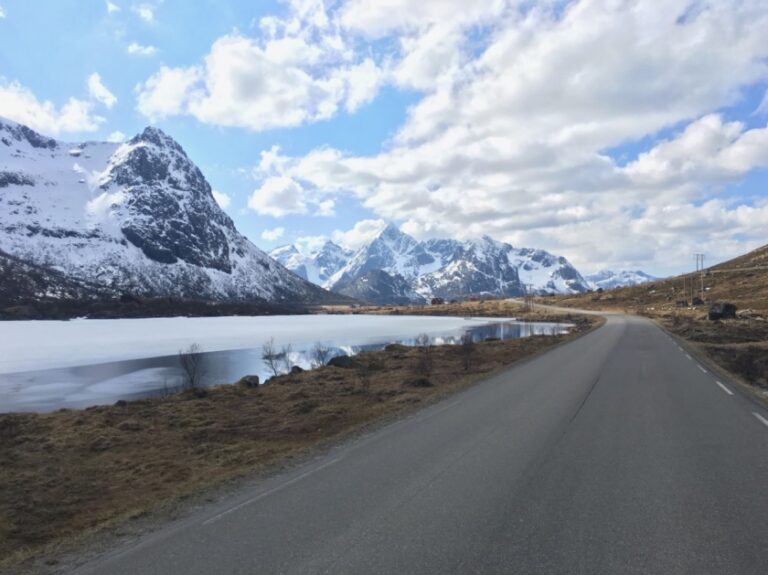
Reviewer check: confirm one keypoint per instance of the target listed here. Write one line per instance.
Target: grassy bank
(74, 472)
(738, 346)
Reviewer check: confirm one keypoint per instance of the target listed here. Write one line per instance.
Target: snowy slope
(136, 217)
(317, 266)
(444, 267)
(608, 279)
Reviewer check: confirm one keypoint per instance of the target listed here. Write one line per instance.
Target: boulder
(249, 381)
(342, 361)
(722, 311)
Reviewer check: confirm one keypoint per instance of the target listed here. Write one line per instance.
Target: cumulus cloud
(299, 69)
(137, 49)
(224, 200)
(167, 93)
(99, 92)
(116, 137)
(21, 105)
(2, 13)
(112, 8)
(362, 232)
(513, 134)
(278, 196)
(273, 234)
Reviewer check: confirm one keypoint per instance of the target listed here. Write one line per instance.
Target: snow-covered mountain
(317, 266)
(447, 268)
(134, 217)
(608, 279)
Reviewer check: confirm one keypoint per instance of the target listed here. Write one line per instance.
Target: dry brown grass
(71, 472)
(739, 347)
(481, 308)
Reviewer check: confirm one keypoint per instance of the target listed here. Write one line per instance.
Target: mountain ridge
(136, 217)
(445, 268)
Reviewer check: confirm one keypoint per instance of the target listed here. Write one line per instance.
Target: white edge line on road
(688, 356)
(725, 389)
(702, 369)
(270, 491)
(763, 420)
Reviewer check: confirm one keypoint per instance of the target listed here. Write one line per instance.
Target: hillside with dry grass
(737, 346)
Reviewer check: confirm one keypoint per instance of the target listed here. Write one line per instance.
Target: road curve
(615, 453)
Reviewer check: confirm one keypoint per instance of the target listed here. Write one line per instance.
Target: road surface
(616, 453)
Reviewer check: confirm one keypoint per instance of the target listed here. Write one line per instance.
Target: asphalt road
(616, 453)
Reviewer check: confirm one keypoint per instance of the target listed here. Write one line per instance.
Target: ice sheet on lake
(36, 345)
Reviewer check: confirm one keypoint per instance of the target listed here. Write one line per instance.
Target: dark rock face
(15, 178)
(379, 287)
(21, 133)
(173, 215)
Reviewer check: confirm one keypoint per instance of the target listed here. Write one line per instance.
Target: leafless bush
(271, 357)
(320, 354)
(467, 350)
(424, 358)
(191, 360)
(366, 364)
(285, 358)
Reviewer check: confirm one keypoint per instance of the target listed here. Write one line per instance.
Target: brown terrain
(739, 346)
(73, 473)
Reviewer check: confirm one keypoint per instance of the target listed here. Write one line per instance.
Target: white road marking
(702, 369)
(763, 420)
(725, 389)
(270, 491)
(688, 356)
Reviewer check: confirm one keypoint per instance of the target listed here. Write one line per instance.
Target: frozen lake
(46, 365)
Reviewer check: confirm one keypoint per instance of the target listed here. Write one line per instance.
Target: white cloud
(326, 208)
(224, 200)
(362, 232)
(145, 11)
(21, 105)
(138, 50)
(167, 92)
(2, 13)
(116, 137)
(99, 92)
(510, 136)
(308, 244)
(273, 234)
(301, 69)
(278, 196)
(112, 8)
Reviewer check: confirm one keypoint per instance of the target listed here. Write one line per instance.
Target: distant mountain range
(394, 267)
(136, 217)
(100, 219)
(607, 279)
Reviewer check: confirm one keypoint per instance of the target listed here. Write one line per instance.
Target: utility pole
(700, 270)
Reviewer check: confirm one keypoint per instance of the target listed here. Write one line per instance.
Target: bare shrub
(320, 354)
(191, 360)
(467, 350)
(271, 357)
(424, 358)
(285, 358)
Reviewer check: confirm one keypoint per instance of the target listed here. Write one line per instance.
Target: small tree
(467, 349)
(271, 357)
(424, 359)
(285, 358)
(320, 354)
(191, 360)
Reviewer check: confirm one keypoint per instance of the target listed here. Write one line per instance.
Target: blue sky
(622, 135)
